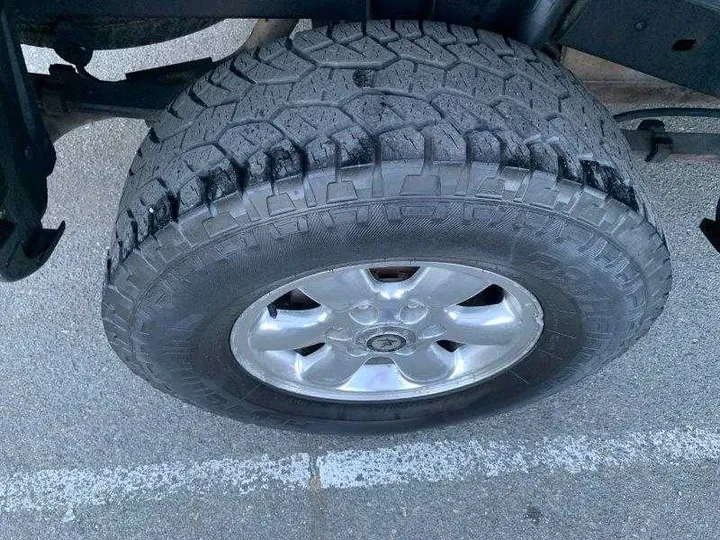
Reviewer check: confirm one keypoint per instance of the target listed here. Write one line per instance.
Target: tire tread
(464, 112)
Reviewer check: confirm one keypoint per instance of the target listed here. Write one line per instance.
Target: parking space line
(442, 461)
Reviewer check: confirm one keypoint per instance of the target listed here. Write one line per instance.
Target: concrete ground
(88, 450)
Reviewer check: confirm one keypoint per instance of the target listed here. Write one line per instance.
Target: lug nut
(432, 332)
(413, 312)
(364, 314)
(338, 333)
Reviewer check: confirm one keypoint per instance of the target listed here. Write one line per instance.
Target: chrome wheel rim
(390, 331)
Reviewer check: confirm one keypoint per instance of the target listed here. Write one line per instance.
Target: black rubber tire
(359, 143)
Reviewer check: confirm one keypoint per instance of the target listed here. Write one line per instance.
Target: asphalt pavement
(87, 450)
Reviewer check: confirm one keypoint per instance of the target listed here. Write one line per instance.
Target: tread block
(408, 29)
(468, 114)
(320, 154)
(355, 147)
(474, 82)
(375, 111)
(380, 31)
(245, 140)
(481, 57)
(311, 40)
(447, 144)
(369, 48)
(424, 50)
(338, 55)
(209, 125)
(325, 84)
(402, 145)
(262, 102)
(463, 34)
(369, 110)
(345, 33)
(438, 31)
(286, 160)
(304, 124)
(284, 67)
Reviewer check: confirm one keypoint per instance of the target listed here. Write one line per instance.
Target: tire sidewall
(184, 317)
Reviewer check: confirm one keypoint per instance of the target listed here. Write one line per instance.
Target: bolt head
(413, 312)
(364, 314)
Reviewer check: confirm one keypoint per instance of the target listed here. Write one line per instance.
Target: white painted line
(448, 461)
(442, 461)
(71, 488)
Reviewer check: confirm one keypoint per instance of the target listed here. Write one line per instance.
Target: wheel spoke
(290, 329)
(281, 363)
(483, 325)
(425, 364)
(341, 289)
(443, 287)
(329, 366)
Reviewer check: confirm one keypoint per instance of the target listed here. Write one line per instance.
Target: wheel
(381, 227)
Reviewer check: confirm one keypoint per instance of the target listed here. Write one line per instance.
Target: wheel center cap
(386, 343)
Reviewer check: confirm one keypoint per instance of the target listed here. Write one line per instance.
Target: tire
(357, 144)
